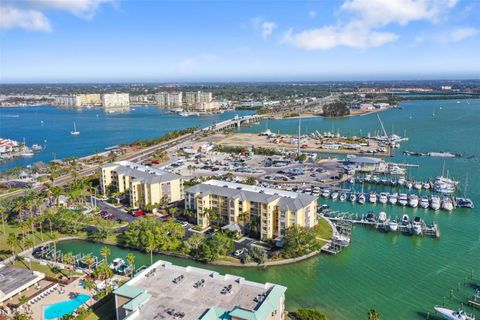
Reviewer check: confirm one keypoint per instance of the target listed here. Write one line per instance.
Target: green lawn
(323, 229)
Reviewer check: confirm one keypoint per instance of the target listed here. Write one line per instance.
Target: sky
(245, 40)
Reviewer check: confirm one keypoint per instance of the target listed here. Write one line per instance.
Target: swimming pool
(58, 310)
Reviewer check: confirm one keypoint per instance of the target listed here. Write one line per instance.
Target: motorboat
(424, 203)
(403, 199)
(117, 264)
(409, 185)
(435, 202)
(382, 217)
(405, 219)
(393, 225)
(417, 185)
(353, 197)
(449, 314)
(334, 195)
(444, 188)
(372, 198)
(464, 203)
(413, 200)
(326, 193)
(341, 239)
(447, 204)
(393, 198)
(74, 132)
(383, 198)
(417, 225)
(401, 181)
(36, 148)
(362, 198)
(426, 185)
(343, 197)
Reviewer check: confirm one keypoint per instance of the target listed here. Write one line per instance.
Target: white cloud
(312, 13)
(30, 14)
(460, 34)
(265, 27)
(364, 23)
(31, 20)
(330, 37)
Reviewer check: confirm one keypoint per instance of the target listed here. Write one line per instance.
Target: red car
(137, 213)
(108, 216)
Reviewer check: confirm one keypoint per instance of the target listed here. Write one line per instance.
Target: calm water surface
(402, 277)
(51, 126)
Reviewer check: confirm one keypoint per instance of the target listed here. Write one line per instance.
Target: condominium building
(166, 291)
(198, 97)
(272, 210)
(15, 282)
(115, 100)
(145, 185)
(169, 99)
(68, 101)
(90, 99)
(78, 100)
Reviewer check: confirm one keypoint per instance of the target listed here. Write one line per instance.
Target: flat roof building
(167, 291)
(269, 210)
(15, 280)
(115, 100)
(145, 185)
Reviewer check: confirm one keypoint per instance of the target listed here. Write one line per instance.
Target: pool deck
(70, 290)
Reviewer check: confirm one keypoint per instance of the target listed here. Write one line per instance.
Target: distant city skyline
(192, 41)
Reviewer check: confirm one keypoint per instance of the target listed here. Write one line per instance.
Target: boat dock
(407, 227)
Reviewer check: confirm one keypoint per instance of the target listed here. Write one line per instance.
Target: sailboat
(74, 132)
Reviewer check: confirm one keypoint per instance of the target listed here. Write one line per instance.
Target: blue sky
(249, 40)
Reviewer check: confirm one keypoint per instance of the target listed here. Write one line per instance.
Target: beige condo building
(273, 210)
(115, 100)
(145, 185)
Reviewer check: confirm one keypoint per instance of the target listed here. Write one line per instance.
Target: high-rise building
(235, 203)
(90, 99)
(169, 99)
(68, 101)
(113, 100)
(193, 98)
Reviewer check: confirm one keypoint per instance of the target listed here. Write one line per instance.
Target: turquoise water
(402, 277)
(97, 128)
(60, 309)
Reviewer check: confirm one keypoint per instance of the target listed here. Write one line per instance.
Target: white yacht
(74, 132)
(343, 197)
(435, 202)
(393, 198)
(401, 181)
(326, 193)
(409, 185)
(426, 185)
(417, 185)
(403, 199)
(341, 240)
(382, 217)
(393, 225)
(117, 264)
(383, 198)
(334, 195)
(361, 198)
(448, 314)
(417, 225)
(372, 198)
(413, 200)
(353, 197)
(424, 203)
(447, 204)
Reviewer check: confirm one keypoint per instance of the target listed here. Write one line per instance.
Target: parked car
(108, 216)
(136, 213)
(183, 223)
(239, 253)
(103, 212)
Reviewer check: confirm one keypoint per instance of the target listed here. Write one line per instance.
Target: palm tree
(173, 210)
(89, 284)
(105, 252)
(150, 244)
(242, 217)
(89, 259)
(2, 213)
(131, 262)
(68, 259)
(12, 241)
